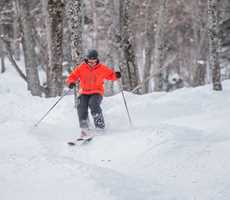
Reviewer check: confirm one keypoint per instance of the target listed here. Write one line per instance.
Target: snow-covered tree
(55, 13)
(75, 12)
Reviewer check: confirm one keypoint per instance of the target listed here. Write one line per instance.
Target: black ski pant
(92, 101)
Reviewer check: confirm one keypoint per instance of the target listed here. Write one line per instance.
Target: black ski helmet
(92, 54)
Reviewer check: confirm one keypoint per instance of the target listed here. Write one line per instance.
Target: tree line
(158, 45)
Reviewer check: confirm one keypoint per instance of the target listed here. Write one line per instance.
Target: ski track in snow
(118, 185)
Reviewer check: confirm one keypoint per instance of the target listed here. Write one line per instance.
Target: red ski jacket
(91, 78)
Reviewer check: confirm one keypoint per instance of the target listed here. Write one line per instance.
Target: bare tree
(224, 8)
(130, 75)
(9, 53)
(2, 55)
(137, 36)
(6, 20)
(214, 43)
(17, 32)
(149, 36)
(113, 53)
(95, 24)
(159, 45)
(55, 9)
(29, 48)
(198, 50)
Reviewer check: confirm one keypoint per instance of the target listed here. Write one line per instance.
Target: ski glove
(72, 85)
(118, 74)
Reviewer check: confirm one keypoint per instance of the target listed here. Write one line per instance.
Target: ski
(85, 138)
(80, 141)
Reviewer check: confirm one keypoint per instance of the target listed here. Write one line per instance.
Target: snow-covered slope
(178, 147)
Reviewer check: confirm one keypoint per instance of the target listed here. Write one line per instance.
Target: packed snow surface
(176, 149)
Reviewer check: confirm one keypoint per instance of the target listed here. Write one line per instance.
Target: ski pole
(127, 110)
(125, 102)
(43, 117)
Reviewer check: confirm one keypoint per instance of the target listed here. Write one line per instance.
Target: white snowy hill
(177, 149)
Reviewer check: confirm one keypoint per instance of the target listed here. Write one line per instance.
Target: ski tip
(71, 143)
(89, 139)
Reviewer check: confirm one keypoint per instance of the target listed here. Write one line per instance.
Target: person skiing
(91, 74)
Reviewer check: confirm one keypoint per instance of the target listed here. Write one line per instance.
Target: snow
(173, 78)
(202, 62)
(177, 149)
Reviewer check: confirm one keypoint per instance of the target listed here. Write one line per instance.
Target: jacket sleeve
(74, 75)
(110, 74)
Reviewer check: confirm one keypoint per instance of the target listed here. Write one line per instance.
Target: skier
(91, 74)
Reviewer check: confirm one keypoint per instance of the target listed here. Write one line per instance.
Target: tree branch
(6, 41)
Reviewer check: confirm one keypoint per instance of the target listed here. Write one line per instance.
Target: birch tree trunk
(159, 46)
(28, 44)
(74, 9)
(214, 44)
(54, 70)
(130, 75)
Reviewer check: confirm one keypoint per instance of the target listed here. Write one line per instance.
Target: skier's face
(92, 62)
